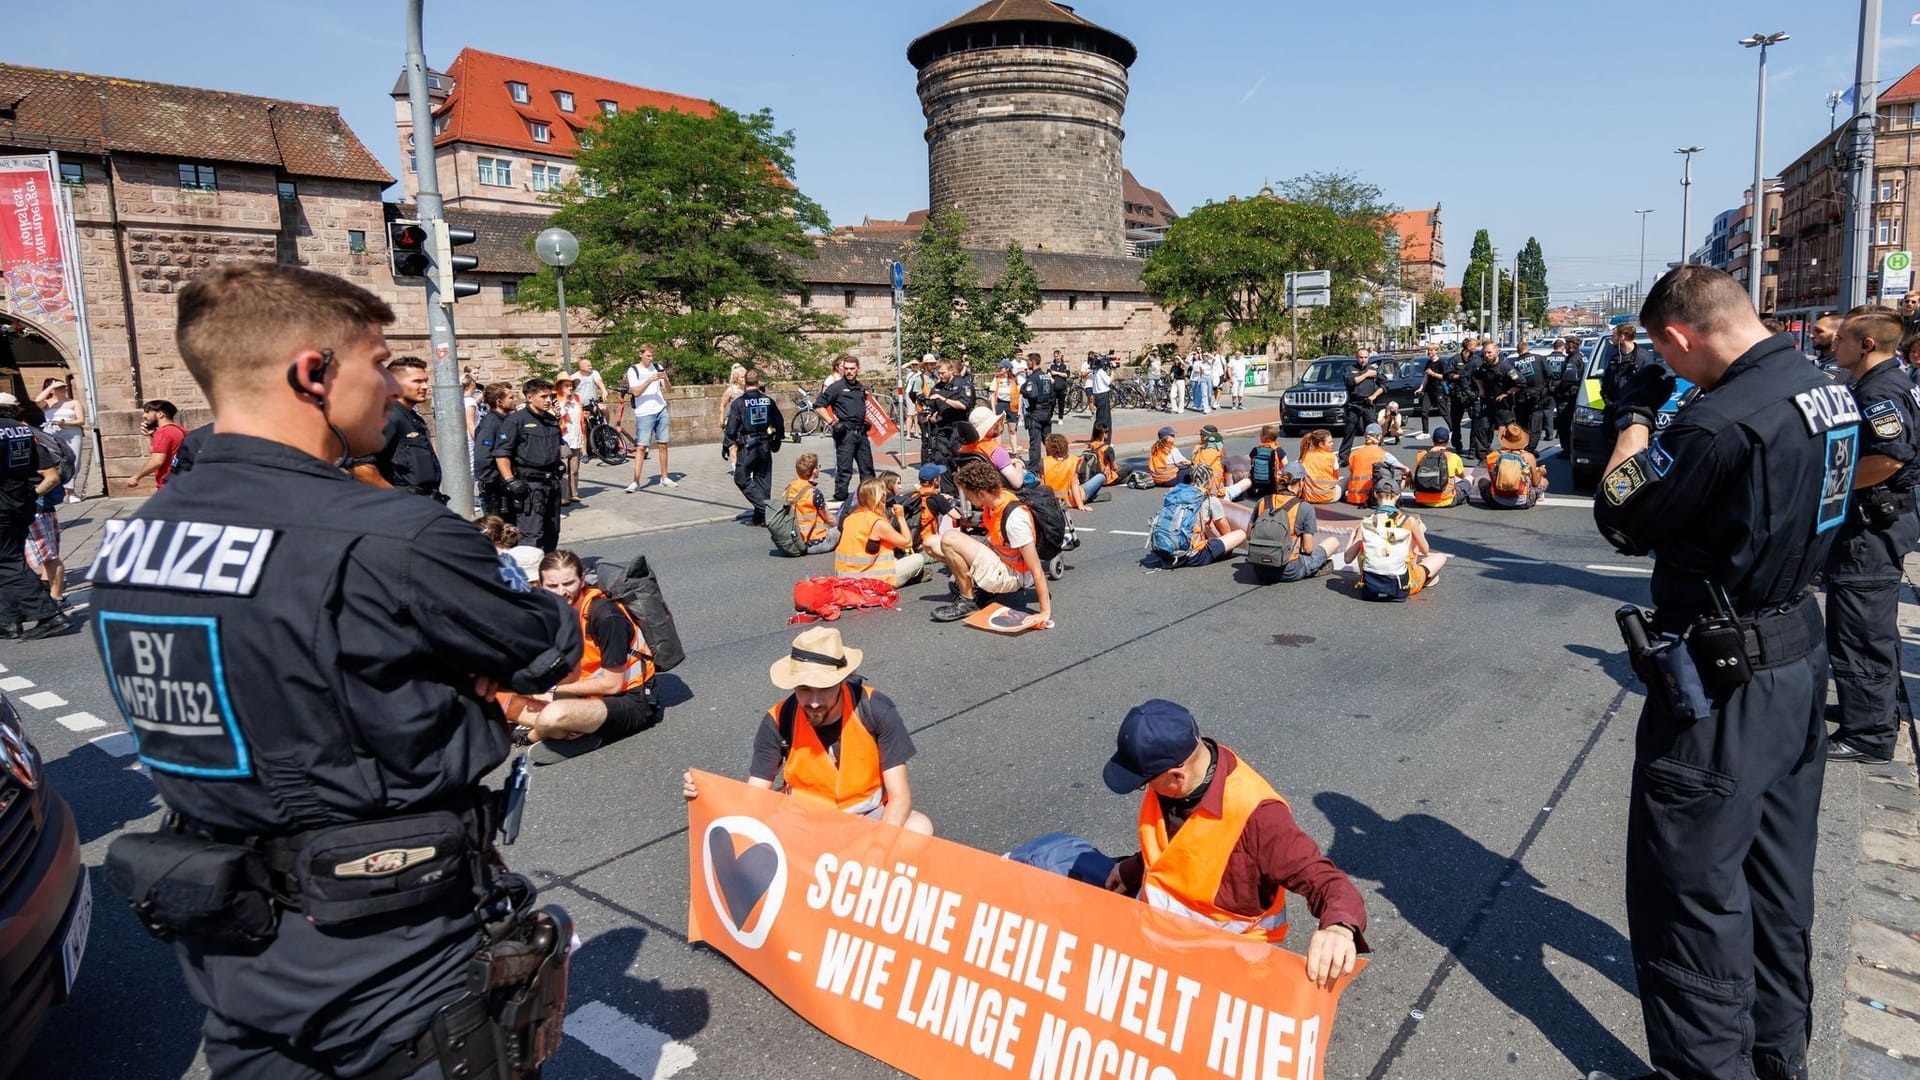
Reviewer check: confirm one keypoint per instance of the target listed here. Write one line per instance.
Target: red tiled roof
(1416, 234)
(480, 106)
(1133, 191)
(1906, 89)
(65, 110)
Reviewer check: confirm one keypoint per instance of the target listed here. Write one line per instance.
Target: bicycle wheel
(604, 442)
(808, 423)
(1076, 399)
(885, 401)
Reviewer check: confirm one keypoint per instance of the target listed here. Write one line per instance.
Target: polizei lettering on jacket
(1827, 407)
(190, 556)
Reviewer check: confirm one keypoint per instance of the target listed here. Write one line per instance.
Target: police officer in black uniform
(1433, 388)
(1627, 361)
(1530, 403)
(496, 404)
(406, 459)
(1363, 387)
(1741, 498)
(755, 428)
(1566, 393)
(1037, 401)
(1463, 392)
(527, 453)
(26, 473)
(305, 663)
(950, 400)
(1498, 388)
(844, 406)
(1863, 573)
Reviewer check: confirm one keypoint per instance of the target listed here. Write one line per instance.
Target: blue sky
(1549, 118)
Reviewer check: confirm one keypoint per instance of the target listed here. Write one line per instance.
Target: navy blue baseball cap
(1157, 735)
(931, 472)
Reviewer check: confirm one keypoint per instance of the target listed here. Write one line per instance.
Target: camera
(1099, 363)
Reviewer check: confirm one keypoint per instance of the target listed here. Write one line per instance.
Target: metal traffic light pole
(449, 413)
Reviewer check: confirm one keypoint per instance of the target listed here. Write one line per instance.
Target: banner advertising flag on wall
(32, 255)
(942, 961)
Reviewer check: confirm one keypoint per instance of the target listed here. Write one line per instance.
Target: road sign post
(1896, 273)
(900, 403)
(1305, 288)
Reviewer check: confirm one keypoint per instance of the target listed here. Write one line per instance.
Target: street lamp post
(1756, 239)
(557, 248)
(1640, 285)
(1686, 202)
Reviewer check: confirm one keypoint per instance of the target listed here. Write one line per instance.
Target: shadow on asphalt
(1427, 870)
(105, 792)
(599, 972)
(1613, 663)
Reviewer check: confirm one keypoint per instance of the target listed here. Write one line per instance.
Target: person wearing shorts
(647, 382)
(43, 543)
(1002, 562)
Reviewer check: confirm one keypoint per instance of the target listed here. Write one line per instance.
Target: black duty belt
(1777, 635)
(535, 476)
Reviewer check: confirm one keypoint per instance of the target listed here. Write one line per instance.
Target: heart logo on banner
(739, 879)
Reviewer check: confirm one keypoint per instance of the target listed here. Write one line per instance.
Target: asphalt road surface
(1464, 757)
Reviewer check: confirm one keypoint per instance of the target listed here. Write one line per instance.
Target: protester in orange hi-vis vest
(1219, 845)
(610, 695)
(1321, 465)
(836, 742)
(1211, 452)
(874, 541)
(1360, 465)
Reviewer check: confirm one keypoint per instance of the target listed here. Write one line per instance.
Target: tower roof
(1005, 23)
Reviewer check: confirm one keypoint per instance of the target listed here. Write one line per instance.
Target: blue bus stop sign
(899, 276)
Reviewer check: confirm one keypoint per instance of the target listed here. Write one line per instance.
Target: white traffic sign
(1310, 279)
(1896, 273)
(1311, 298)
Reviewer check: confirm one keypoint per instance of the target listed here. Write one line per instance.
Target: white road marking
(15, 682)
(80, 721)
(1521, 562)
(1127, 532)
(45, 699)
(641, 1050)
(1561, 500)
(1620, 569)
(3, 669)
(119, 744)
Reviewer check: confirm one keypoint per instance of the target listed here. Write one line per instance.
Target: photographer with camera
(1099, 373)
(948, 404)
(844, 405)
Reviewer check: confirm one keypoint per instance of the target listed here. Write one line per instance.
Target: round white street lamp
(557, 248)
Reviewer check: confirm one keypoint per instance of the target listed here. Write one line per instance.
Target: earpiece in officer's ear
(319, 376)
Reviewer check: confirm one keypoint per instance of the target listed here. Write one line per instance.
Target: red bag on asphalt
(825, 597)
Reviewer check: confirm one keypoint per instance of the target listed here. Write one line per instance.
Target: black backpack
(637, 591)
(1272, 541)
(1049, 518)
(1260, 464)
(1430, 473)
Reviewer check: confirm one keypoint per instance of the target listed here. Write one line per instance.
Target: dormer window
(608, 108)
(540, 132)
(519, 92)
(440, 125)
(565, 99)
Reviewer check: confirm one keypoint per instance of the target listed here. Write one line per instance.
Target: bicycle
(806, 421)
(607, 439)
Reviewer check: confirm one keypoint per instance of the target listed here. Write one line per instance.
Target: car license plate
(75, 946)
(1312, 414)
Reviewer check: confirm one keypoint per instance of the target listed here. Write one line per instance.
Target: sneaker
(957, 610)
(47, 627)
(1837, 749)
(668, 481)
(633, 487)
(555, 751)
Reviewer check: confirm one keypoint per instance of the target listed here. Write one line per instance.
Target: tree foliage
(1479, 262)
(948, 311)
(1435, 307)
(688, 243)
(1533, 283)
(1221, 274)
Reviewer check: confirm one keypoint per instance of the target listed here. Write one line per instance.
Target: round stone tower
(1023, 100)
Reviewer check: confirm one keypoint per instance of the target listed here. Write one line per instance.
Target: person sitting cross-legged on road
(1360, 465)
(1002, 562)
(874, 541)
(1390, 548)
(1439, 476)
(1211, 451)
(610, 695)
(1061, 472)
(1322, 467)
(1192, 528)
(1310, 556)
(987, 427)
(834, 742)
(1098, 468)
(809, 509)
(1514, 480)
(1166, 465)
(1264, 463)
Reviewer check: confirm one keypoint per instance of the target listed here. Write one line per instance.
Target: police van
(1593, 439)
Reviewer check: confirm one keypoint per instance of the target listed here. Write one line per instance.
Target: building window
(849, 294)
(590, 187)
(546, 177)
(288, 192)
(496, 172)
(70, 173)
(433, 82)
(608, 108)
(440, 125)
(565, 98)
(357, 240)
(1103, 303)
(509, 291)
(806, 298)
(519, 92)
(1073, 302)
(540, 132)
(1889, 191)
(413, 161)
(198, 178)
(1887, 231)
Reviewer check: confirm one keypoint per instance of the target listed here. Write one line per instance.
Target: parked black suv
(1592, 439)
(46, 903)
(1319, 399)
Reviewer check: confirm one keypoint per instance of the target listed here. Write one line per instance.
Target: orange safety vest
(927, 516)
(1182, 873)
(859, 553)
(806, 510)
(1160, 464)
(994, 518)
(1360, 473)
(1436, 498)
(854, 783)
(1322, 484)
(1103, 453)
(1213, 458)
(1060, 474)
(639, 662)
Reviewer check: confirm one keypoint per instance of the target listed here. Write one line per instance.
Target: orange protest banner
(945, 961)
(880, 426)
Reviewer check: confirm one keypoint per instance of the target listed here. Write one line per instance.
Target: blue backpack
(1261, 462)
(1171, 537)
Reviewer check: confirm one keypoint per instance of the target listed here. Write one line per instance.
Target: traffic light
(407, 251)
(447, 264)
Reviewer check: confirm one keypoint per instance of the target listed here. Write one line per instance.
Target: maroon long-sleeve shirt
(1271, 854)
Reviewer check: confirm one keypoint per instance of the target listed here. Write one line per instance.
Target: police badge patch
(1625, 479)
(1885, 418)
(1659, 459)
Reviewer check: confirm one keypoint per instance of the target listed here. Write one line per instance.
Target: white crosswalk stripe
(643, 1051)
(15, 682)
(80, 721)
(119, 743)
(45, 699)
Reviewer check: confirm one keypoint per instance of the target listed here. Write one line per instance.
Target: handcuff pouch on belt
(182, 883)
(1879, 508)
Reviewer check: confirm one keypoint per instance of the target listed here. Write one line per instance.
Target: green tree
(948, 310)
(1435, 307)
(1479, 262)
(690, 231)
(1221, 273)
(1533, 283)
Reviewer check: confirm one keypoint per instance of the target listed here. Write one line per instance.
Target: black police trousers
(1433, 402)
(1103, 411)
(1459, 409)
(1863, 630)
(1721, 826)
(1563, 420)
(23, 595)
(1532, 413)
(753, 475)
(537, 516)
(1356, 426)
(1037, 432)
(851, 449)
